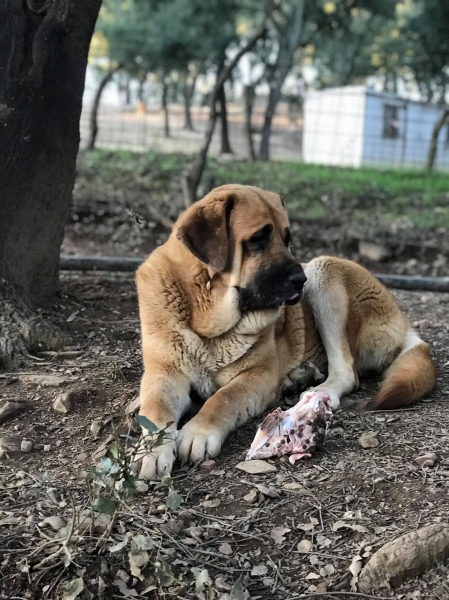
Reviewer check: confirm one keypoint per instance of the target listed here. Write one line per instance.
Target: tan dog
(221, 315)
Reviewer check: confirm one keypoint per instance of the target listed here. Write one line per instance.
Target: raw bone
(297, 431)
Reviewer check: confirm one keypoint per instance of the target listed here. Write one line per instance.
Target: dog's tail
(411, 376)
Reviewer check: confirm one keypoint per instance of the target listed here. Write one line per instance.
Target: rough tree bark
(191, 180)
(93, 124)
(165, 107)
(249, 94)
(287, 49)
(43, 58)
(225, 147)
(432, 154)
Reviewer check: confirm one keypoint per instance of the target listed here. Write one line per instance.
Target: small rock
(251, 497)
(368, 439)
(123, 575)
(266, 490)
(141, 486)
(426, 460)
(82, 457)
(96, 427)
(253, 467)
(45, 380)
(9, 444)
(62, 404)
(422, 324)
(11, 409)
(55, 523)
(207, 464)
(26, 446)
(133, 406)
(47, 448)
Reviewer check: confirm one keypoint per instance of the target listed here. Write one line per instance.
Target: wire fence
(136, 130)
(352, 126)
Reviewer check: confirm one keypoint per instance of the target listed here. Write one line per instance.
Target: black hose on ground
(123, 264)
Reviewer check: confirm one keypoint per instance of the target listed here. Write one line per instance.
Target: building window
(391, 121)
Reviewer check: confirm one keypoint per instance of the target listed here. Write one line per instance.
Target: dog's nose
(297, 278)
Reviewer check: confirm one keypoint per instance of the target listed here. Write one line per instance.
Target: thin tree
(432, 154)
(289, 40)
(192, 178)
(43, 58)
(93, 121)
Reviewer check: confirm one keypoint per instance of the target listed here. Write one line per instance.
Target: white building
(355, 125)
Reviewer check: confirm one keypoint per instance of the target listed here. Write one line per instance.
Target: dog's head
(242, 234)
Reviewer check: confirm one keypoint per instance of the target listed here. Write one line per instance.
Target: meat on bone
(296, 432)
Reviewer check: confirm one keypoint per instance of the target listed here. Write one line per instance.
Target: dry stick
(330, 594)
(63, 547)
(193, 177)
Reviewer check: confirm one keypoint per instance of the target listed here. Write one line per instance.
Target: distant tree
(287, 29)
(43, 58)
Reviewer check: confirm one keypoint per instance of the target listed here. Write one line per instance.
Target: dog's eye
(288, 237)
(260, 239)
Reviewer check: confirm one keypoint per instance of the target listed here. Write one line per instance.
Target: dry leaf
(355, 567)
(368, 439)
(304, 546)
(278, 534)
(308, 526)
(225, 549)
(259, 570)
(211, 503)
(202, 579)
(323, 541)
(327, 570)
(269, 491)
(255, 466)
(312, 576)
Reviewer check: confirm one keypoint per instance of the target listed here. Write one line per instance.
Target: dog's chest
(205, 359)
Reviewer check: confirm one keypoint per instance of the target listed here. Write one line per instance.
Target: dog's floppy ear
(205, 231)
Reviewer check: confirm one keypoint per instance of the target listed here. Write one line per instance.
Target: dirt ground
(234, 535)
(378, 493)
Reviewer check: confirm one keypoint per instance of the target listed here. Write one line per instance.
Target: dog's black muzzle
(278, 283)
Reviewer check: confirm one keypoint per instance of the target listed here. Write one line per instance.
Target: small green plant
(114, 479)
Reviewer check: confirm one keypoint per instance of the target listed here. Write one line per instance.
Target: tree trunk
(248, 99)
(141, 107)
(43, 58)
(94, 113)
(191, 180)
(187, 92)
(225, 147)
(288, 47)
(165, 108)
(432, 154)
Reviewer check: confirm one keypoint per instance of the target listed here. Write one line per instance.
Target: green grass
(404, 199)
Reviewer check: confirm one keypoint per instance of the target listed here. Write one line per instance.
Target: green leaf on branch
(146, 424)
(173, 501)
(104, 505)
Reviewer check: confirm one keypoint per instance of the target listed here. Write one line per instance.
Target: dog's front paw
(157, 461)
(197, 442)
